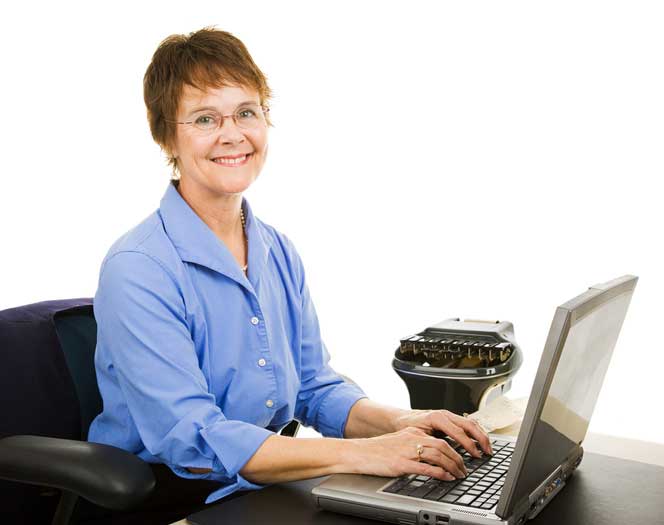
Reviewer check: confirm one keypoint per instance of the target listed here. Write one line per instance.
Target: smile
(237, 161)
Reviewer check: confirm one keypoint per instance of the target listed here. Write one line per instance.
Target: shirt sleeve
(325, 398)
(143, 332)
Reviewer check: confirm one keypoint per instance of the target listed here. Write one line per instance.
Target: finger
(473, 428)
(424, 469)
(434, 456)
(446, 423)
(415, 430)
(444, 448)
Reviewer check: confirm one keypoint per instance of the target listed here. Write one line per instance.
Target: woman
(208, 341)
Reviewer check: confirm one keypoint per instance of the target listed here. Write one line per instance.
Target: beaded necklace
(246, 241)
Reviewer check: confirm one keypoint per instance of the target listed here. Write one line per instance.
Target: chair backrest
(38, 395)
(77, 332)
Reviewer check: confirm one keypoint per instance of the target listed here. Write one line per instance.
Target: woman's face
(203, 158)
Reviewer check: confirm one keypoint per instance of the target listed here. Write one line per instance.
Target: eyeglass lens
(245, 117)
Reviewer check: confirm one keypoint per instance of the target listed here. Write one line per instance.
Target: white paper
(500, 413)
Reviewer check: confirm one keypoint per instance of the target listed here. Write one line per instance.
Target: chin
(232, 187)
(216, 183)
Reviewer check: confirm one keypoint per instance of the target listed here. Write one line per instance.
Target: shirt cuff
(228, 485)
(240, 483)
(233, 443)
(334, 409)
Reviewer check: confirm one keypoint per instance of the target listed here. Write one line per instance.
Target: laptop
(523, 474)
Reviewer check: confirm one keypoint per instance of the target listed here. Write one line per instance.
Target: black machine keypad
(480, 489)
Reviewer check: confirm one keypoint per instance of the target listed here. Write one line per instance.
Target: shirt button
(261, 362)
(254, 320)
(269, 403)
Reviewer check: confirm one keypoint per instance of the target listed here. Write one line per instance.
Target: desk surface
(605, 490)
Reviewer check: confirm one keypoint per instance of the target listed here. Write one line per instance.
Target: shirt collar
(197, 243)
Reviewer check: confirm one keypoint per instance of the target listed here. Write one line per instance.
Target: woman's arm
(368, 418)
(381, 441)
(281, 458)
(151, 381)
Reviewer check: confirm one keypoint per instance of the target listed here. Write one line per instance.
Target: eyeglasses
(245, 117)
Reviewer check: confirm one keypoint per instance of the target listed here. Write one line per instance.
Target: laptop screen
(574, 369)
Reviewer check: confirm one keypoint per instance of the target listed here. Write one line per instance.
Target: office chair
(48, 399)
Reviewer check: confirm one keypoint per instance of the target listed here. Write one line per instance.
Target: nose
(229, 132)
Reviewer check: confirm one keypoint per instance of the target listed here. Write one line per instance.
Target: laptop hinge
(553, 484)
(520, 513)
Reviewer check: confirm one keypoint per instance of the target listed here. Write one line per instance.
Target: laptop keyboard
(480, 489)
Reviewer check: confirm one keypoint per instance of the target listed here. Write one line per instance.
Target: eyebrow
(212, 108)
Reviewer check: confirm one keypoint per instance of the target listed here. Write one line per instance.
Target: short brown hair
(203, 59)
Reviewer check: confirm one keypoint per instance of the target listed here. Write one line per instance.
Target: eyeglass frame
(264, 109)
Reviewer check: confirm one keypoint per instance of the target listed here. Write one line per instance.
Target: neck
(221, 213)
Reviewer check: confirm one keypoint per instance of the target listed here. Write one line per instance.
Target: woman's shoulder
(283, 252)
(146, 244)
(280, 244)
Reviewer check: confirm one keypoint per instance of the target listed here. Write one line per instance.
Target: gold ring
(420, 450)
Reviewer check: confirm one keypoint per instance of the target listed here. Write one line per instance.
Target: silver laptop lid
(576, 356)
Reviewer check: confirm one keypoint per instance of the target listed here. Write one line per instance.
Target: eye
(206, 121)
(247, 113)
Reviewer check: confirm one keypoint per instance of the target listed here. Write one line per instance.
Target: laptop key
(465, 500)
(450, 498)
(437, 493)
(396, 486)
(409, 489)
(424, 489)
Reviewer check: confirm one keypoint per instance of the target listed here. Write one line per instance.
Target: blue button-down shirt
(197, 363)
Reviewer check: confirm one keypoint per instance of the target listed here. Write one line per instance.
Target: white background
(429, 160)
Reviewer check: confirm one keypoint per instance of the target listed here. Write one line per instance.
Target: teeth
(230, 161)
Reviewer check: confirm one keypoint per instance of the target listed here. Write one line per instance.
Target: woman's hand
(396, 454)
(461, 429)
